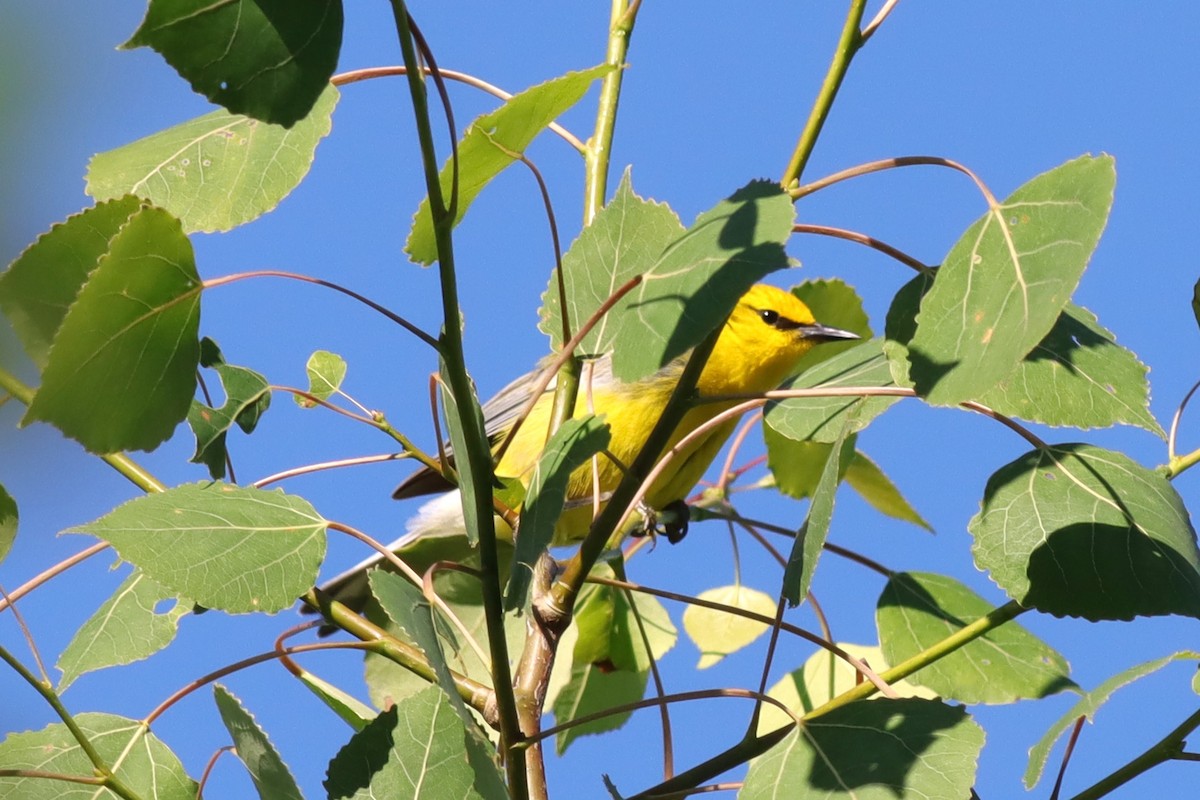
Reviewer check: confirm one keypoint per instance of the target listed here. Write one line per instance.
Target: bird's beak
(823, 333)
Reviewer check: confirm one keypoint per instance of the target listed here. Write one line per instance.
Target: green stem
(848, 44)
(1179, 464)
(475, 462)
(122, 463)
(103, 770)
(1163, 750)
(968, 633)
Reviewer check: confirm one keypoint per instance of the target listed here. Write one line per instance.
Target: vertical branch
(848, 44)
(476, 461)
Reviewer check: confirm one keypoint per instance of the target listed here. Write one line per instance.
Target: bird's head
(765, 336)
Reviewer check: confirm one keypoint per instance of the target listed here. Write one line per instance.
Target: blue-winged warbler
(766, 334)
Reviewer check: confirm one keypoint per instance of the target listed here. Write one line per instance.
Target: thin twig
(862, 238)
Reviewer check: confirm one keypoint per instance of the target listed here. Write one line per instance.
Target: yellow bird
(763, 338)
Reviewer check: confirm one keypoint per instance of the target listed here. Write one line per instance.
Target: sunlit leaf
(139, 619)
(833, 302)
(150, 769)
(873, 750)
(268, 59)
(866, 478)
(495, 141)
(718, 633)
(326, 371)
(1004, 283)
(217, 171)
(271, 776)
(1088, 705)
(122, 370)
(238, 549)
(1081, 531)
(39, 287)
(918, 609)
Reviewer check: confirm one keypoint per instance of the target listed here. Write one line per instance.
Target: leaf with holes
(217, 171)
(268, 59)
(233, 548)
(139, 619)
(1080, 531)
(122, 370)
(1004, 283)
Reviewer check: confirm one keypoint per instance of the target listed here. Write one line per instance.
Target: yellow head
(767, 333)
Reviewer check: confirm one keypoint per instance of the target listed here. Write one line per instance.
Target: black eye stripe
(773, 318)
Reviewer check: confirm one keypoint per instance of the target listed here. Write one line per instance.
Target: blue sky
(712, 99)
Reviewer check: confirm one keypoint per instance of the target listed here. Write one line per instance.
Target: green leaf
(1078, 376)
(1081, 531)
(718, 633)
(591, 689)
(217, 171)
(467, 481)
(823, 677)
(326, 371)
(569, 448)
(8, 522)
(1004, 283)
(917, 610)
(796, 466)
(233, 548)
(39, 287)
(268, 59)
(866, 478)
(623, 241)
(139, 619)
(834, 303)
(810, 539)
(493, 142)
(247, 397)
(407, 607)
(271, 776)
(353, 712)
(873, 750)
(1196, 302)
(122, 370)
(150, 768)
(820, 419)
(1088, 705)
(418, 749)
(693, 285)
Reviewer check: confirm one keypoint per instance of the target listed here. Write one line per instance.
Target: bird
(760, 344)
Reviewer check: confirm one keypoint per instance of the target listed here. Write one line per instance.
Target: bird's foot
(671, 521)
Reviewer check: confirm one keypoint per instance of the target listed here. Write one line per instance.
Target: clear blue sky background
(714, 96)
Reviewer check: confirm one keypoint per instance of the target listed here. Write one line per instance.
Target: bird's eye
(768, 316)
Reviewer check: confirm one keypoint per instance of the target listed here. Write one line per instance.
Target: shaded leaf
(823, 677)
(271, 776)
(353, 712)
(122, 370)
(268, 59)
(624, 240)
(139, 619)
(866, 478)
(150, 768)
(418, 750)
(1081, 531)
(454, 409)
(247, 397)
(834, 303)
(237, 549)
(576, 441)
(718, 633)
(862, 364)
(810, 539)
(217, 171)
(883, 749)
(589, 690)
(8, 522)
(326, 371)
(917, 610)
(493, 142)
(39, 287)
(1004, 283)
(796, 466)
(1088, 705)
